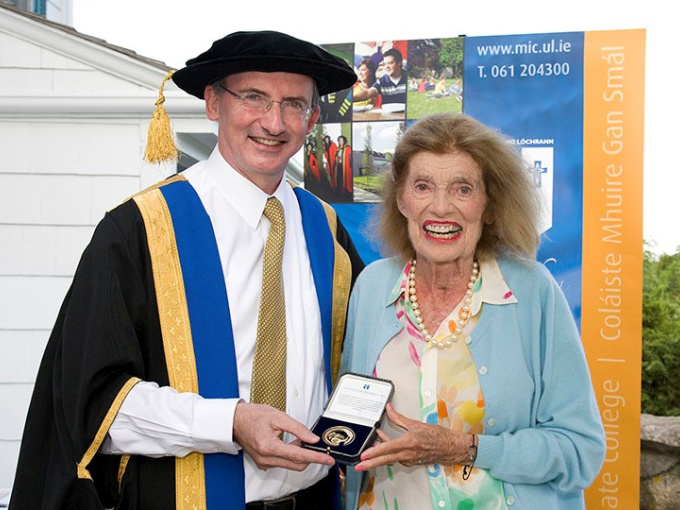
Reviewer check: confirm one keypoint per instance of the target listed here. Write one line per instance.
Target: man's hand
(258, 429)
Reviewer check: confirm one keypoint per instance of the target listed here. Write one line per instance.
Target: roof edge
(88, 50)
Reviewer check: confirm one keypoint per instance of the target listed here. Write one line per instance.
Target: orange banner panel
(614, 70)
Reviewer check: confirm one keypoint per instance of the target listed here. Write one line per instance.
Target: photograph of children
(380, 92)
(337, 106)
(436, 76)
(328, 149)
(374, 144)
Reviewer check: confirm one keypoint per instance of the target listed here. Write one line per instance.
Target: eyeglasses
(290, 108)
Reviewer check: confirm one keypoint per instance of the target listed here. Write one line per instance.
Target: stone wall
(659, 463)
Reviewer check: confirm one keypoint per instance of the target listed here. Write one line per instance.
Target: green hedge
(661, 334)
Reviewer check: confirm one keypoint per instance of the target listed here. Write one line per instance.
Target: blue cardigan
(543, 434)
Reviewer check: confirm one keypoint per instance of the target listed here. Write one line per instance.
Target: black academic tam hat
(265, 51)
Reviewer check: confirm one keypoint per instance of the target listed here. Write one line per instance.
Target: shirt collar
(494, 289)
(246, 198)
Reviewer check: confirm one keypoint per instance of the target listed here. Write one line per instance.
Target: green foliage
(423, 57)
(370, 183)
(428, 57)
(661, 334)
(367, 166)
(421, 104)
(451, 55)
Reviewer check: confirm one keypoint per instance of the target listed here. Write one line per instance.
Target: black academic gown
(107, 331)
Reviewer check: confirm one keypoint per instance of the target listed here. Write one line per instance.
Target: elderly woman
(493, 405)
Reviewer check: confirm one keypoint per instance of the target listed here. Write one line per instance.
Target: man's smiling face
(258, 145)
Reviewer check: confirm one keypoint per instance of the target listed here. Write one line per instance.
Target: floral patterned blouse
(438, 386)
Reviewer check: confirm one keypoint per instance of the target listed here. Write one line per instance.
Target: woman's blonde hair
(513, 206)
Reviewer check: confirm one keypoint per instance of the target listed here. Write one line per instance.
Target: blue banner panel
(357, 220)
(530, 87)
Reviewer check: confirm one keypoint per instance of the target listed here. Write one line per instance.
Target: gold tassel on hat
(160, 142)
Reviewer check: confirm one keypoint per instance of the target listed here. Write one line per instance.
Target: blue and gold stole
(196, 324)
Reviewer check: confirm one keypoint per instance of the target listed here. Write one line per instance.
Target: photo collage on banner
(530, 87)
(397, 83)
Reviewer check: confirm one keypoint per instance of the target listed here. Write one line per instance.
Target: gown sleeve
(105, 339)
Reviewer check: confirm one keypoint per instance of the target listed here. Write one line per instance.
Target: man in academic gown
(142, 400)
(329, 151)
(343, 160)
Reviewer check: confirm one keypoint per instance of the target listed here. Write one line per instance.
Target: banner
(573, 105)
(612, 260)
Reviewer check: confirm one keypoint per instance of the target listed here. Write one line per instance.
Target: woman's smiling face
(443, 201)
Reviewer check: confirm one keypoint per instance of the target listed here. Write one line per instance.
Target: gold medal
(338, 436)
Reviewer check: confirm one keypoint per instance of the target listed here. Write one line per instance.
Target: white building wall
(53, 190)
(61, 169)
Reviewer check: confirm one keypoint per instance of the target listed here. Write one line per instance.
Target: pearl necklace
(463, 318)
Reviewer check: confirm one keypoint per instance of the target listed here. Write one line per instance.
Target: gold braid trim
(342, 281)
(82, 471)
(176, 330)
(160, 184)
(122, 466)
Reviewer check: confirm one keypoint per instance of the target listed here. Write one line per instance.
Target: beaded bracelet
(472, 456)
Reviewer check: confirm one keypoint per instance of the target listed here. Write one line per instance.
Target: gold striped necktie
(269, 364)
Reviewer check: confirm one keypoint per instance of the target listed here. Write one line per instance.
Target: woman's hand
(422, 443)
